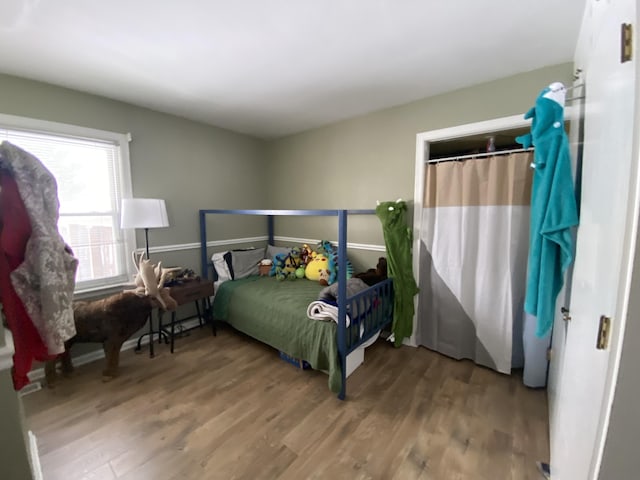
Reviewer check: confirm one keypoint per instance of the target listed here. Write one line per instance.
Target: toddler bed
(275, 312)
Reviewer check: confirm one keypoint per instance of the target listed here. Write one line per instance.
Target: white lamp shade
(143, 213)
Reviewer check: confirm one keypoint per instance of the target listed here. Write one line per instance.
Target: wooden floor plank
(228, 407)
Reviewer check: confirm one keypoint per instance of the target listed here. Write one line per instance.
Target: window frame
(123, 173)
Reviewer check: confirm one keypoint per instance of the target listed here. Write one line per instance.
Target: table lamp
(144, 213)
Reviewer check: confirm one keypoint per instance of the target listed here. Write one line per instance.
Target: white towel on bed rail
(321, 310)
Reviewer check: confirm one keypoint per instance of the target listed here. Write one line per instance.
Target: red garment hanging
(15, 230)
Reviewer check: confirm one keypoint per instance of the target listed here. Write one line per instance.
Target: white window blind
(91, 183)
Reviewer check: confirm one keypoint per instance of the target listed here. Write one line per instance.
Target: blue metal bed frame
(382, 290)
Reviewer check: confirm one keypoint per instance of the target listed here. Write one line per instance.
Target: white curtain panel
(480, 255)
(474, 245)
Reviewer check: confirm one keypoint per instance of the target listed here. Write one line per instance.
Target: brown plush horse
(110, 321)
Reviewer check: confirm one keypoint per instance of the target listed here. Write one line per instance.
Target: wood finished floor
(228, 407)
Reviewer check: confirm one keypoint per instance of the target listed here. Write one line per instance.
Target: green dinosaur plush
(397, 238)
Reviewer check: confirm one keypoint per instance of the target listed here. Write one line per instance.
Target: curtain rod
(497, 153)
(573, 87)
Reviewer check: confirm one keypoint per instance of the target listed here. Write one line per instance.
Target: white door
(583, 384)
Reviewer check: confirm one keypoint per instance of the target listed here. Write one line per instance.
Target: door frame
(627, 284)
(423, 141)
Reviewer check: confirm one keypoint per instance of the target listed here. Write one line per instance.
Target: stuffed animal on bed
(305, 254)
(264, 267)
(284, 266)
(325, 277)
(331, 252)
(318, 268)
(277, 263)
(296, 256)
(291, 264)
(374, 275)
(299, 261)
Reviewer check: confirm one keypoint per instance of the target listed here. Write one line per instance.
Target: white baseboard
(38, 373)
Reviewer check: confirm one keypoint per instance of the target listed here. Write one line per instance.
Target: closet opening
(478, 144)
(471, 241)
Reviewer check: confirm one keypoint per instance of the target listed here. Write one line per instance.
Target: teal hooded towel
(553, 206)
(397, 238)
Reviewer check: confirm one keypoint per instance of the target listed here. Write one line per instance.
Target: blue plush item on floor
(304, 365)
(544, 469)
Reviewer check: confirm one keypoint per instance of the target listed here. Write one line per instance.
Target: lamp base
(162, 335)
(146, 241)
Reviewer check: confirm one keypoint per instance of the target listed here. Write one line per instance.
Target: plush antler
(146, 271)
(166, 273)
(151, 278)
(136, 262)
(157, 270)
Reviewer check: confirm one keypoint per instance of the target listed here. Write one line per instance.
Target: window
(91, 168)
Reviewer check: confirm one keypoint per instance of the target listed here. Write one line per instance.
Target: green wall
(189, 164)
(353, 163)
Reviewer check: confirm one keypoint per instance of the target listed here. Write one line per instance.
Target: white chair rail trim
(263, 238)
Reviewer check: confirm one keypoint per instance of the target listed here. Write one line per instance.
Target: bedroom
(163, 144)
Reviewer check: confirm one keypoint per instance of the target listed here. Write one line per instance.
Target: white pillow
(221, 267)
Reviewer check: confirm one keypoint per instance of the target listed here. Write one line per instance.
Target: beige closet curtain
(473, 253)
(497, 180)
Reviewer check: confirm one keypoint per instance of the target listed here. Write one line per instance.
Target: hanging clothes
(15, 230)
(45, 280)
(553, 206)
(397, 238)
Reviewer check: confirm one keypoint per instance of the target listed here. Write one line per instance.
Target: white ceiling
(274, 67)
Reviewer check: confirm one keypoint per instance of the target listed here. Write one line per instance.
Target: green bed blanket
(275, 312)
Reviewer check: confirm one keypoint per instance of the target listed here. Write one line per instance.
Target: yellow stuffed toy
(290, 267)
(315, 268)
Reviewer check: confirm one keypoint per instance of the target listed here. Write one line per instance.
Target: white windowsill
(95, 292)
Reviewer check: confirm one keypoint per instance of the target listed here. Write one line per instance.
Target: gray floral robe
(45, 281)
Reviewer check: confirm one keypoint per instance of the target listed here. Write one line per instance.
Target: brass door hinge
(626, 42)
(603, 332)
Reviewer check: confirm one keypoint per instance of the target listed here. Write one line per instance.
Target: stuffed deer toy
(112, 320)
